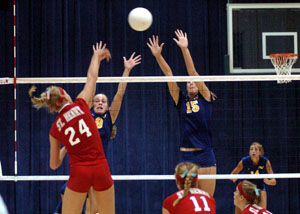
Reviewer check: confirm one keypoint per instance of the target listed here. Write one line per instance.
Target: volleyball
(140, 19)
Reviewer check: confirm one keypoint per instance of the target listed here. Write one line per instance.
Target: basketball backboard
(257, 30)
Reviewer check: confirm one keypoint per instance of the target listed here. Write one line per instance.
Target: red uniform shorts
(83, 177)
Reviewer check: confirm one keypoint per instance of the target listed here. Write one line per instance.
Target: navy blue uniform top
(195, 116)
(104, 125)
(260, 168)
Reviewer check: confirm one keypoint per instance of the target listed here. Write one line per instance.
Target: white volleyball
(140, 19)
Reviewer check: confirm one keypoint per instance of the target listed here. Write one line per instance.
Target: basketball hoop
(283, 64)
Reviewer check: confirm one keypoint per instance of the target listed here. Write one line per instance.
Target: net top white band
(228, 78)
(154, 177)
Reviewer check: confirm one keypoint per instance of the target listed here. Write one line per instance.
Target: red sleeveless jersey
(76, 129)
(254, 209)
(197, 201)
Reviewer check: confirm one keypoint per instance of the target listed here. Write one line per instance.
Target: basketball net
(283, 64)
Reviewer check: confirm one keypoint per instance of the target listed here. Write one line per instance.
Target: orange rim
(288, 55)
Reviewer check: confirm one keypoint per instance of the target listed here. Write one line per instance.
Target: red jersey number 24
(83, 129)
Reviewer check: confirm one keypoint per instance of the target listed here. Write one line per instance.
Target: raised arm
(156, 51)
(182, 42)
(100, 53)
(269, 169)
(118, 98)
(237, 170)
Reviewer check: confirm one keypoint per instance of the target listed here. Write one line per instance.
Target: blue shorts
(203, 158)
(63, 188)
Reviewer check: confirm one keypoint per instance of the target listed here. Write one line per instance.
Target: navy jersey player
(256, 163)
(195, 111)
(103, 121)
(105, 115)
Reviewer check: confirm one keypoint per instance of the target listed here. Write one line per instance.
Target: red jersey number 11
(197, 206)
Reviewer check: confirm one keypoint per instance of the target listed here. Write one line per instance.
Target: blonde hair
(252, 190)
(181, 169)
(47, 99)
(259, 146)
(113, 132)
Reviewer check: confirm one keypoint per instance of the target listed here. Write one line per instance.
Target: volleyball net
(248, 108)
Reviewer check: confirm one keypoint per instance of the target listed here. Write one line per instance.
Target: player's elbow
(92, 76)
(54, 165)
(194, 72)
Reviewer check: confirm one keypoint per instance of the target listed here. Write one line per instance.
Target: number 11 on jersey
(197, 206)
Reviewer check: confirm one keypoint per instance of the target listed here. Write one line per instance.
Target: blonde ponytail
(188, 173)
(47, 99)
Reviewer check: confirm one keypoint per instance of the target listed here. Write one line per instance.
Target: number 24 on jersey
(83, 129)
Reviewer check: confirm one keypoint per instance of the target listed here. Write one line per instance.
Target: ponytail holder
(184, 174)
(48, 95)
(195, 177)
(193, 174)
(61, 98)
(256, 192)
(181, 178)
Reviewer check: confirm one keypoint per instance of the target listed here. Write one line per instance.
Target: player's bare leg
(106, 200)
(93, 207)
(73, 202)
(263, 202)
(208, 185)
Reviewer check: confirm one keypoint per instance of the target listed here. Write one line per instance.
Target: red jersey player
(75, 128)
(189, 199)
(246, 197)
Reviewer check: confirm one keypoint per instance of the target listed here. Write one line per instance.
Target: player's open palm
(154, 46)
(267, 181)
(182, 40)
(101, 51)
(132, 61)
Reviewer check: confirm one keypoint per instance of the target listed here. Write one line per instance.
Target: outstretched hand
(101, 51)
(154, 46)
(233, 180)
(132, 61)
(267, 181)
(182, 40)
